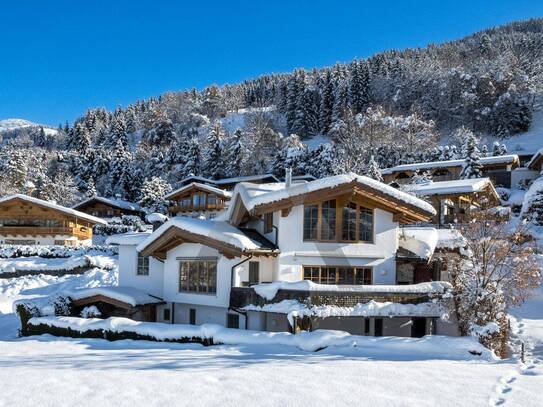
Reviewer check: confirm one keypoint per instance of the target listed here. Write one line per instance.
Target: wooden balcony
(198, 208)
(45, 231)
(242, 296)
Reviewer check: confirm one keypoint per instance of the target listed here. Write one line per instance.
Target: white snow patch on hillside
(13, 124)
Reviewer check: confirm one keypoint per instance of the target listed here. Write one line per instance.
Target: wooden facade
(29, 221)
(105, 208)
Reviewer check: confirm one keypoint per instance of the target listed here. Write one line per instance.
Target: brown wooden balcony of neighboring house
(243, 296)
(81, 233)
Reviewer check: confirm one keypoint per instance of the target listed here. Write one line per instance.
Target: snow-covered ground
(49, 371)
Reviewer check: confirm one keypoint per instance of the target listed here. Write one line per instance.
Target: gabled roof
(247, 178)
(114, 202)
(128, 238)
(51, 205)
(536, 160)
(258, 199)
(485, 161)
(201, 187)
(455, 187)
(227, 239)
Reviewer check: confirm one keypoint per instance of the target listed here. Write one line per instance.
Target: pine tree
(472, 166)
(117, 132)
(193, 159)
(152, 195)
(119, 173)
(235, 154)
(373, 171)
(327, 103)
(484, 151)
(213, 159)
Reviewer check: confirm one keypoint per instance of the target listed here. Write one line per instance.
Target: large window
(143, 265)
(348, 228)
(327, 221)
(198, 276)
(311, 217)
(365, 227)
(268, 222)
(338, 275)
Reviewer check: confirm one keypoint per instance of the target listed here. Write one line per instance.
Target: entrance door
(418, 327)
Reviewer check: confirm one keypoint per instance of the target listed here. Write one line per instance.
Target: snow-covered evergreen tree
(213, 164)
(373, 171)
(472, 167)
(152, 195)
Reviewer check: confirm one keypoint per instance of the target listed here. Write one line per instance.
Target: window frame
(316, 228)
(208, 281)
(318, 278)
(142, 264)
(268, 222)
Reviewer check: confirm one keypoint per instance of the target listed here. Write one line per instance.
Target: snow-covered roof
(535, 159)
(421, 241)
(254, 195)
(450, 239)
(216, 230)
(115, 202)
(51, 205)
(128, 295)
(128, 238)
(269, 290)
(203, 187)
(500, 159)
(459, 186)
(156, 217)
(247, 178)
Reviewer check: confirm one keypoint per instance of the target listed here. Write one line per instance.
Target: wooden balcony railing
(242, 296)
(44, 231)
(195, 208)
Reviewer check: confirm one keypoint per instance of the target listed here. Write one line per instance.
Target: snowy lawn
(49, 371)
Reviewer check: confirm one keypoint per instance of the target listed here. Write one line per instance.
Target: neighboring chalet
(196, 199)
(26, 220)
(229, 183)
(292, 256)
(498, 169)
(454, 200)
(108, 207)
(203, 197)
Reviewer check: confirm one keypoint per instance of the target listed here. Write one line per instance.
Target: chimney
(288, 177)
(29, 188)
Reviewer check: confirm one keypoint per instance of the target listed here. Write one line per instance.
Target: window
(268, 222)
(328, 222)
(21, 242)
(143, 265)
(196, 200)
(366, 326)
(348, 229)
(378, 327)
(198, 276)
(212, 200)
(254, 277)
(192, 316)
(311, 218)
(365, 227)
(233, 321)
(338, 275)
(166, 314)
(320, 222)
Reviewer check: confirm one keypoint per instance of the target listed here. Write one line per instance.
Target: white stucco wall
(171, 276)
(128, 277)
(295, 252)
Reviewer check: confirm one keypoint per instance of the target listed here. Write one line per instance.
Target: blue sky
(59, 58)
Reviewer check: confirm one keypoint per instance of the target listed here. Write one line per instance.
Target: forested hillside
(397, 106)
